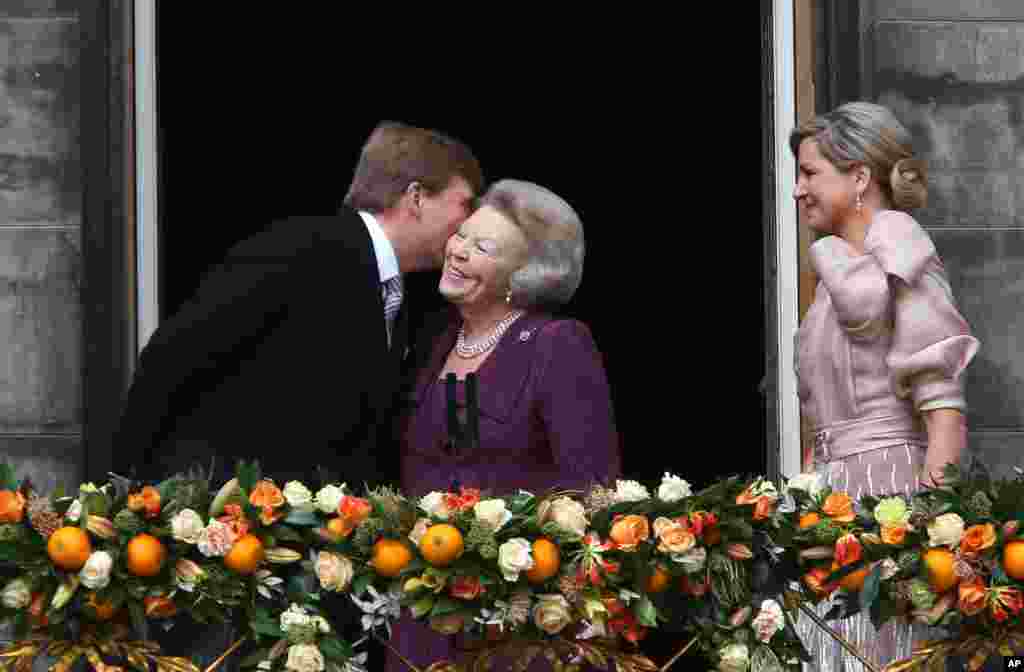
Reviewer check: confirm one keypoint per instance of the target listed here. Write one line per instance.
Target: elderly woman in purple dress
(882, 348)
(545, 412)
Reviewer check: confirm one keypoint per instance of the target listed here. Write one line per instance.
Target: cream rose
(515, 556)
(734, 657)
(187, 526)
(298, 496)
(673, 488)
(768, 621)
(567, 513)
(809, 483)
(305, 658)
(334, 571)
(433, 504)
(630, 491)
(95, 574)
(693, 560)
(216, 539)
(294, 616)
(946, 530)
(492, 512)
(16, 594)
(418, 530)
(551, 613)
(328, 498)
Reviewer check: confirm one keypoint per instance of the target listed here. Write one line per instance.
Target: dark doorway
(654, 136)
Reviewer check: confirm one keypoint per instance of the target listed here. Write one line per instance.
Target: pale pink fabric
(882, 342)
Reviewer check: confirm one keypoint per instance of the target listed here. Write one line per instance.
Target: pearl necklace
(467, 351)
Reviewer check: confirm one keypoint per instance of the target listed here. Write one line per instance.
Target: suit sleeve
(576, 406)
(236, 303)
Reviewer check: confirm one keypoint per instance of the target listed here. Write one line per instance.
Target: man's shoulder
(290, 237)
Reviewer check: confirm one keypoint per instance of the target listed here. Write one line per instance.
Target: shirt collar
(387, 262)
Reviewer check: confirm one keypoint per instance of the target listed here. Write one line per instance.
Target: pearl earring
(508, 296)
(860, 203)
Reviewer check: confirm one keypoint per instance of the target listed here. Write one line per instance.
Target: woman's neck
(478, 322)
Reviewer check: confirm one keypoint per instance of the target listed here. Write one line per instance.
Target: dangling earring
(860, 203)
(508, 296)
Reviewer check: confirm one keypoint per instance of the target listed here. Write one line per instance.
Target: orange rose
(676, 539)
(145, 501)
(159, 607)
(848, 550)
(894, 534)
(839, 507)
(353, 511)
(1005, 601)
(763, 507)
(628, 531)
(266, 496)
(977, 538)
(972, 596)
(12, 506)
(815, 581)
(746, 497)
(464, 500)
(236, 520)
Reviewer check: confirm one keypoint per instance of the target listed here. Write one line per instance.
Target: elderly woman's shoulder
(566, 330)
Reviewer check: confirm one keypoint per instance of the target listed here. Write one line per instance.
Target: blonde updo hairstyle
(862, 133)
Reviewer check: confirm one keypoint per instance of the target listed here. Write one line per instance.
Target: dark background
(652, 133)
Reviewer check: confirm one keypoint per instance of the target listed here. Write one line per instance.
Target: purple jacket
(546, 416)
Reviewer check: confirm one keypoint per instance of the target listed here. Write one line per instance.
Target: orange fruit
(809, 519)
(938, 564)
(390, 557)
(442, 545)
(658, 581)
(69, 548)
(246, 555)
(546, 560)
(336, 526)
(1013, 560)
(104, 611)
(854, 581)
(145, 555)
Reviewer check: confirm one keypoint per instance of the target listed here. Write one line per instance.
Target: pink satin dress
(882, 342)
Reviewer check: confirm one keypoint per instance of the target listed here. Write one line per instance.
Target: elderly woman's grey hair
(554, 267)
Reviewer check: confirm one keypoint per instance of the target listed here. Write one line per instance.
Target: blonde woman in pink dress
(882, 349)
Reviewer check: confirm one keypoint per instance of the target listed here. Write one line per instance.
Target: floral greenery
(573, 577)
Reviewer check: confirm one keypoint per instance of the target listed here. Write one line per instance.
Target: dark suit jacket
(281, 355)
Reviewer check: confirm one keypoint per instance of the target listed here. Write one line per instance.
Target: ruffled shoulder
(900, 246)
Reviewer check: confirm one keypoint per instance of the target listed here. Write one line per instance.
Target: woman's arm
(947, 438)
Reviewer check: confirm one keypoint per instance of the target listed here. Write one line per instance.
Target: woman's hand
(947, 438)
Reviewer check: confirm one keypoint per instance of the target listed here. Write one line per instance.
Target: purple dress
(545, 422)
(882, 343)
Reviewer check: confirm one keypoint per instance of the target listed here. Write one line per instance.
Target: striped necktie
(392, 294)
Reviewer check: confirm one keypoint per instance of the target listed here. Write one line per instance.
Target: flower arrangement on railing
(573, 577)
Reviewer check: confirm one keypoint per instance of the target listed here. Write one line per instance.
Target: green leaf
(138, 615)
(302, 519)
(255, 658)
(335, 649)
(285, 533)
(646, 613)
(248, 475)
(445, 605)
(360, 583)
(7, 479)
(869, 592)
(263, 623)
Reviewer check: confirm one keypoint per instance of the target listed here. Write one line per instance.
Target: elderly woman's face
(479, 259)
(825, 196)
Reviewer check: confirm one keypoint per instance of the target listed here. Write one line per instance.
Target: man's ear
(415, 194)
(862, 174)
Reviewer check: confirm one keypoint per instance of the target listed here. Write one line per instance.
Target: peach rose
(12, 506)
(972, 596)
(815, 578)
(159, 607)
(763, 507)
(676, 540)
(977, 538)
(747, 496)
(145, 501)
(353, 511)
(267, 497)
(466, 587)
(1005, 601)
(894, 535)
(839, 507)
(235, 519)
(629, 531)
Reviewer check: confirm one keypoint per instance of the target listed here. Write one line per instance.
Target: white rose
(305, 658)
(630, 491)
(734, 657)
(16, 594)
(764, 488)
(418, 530)
(95, 574)
(693, 560)
(321, 624)
(334, 571)
(551, 613)
(946, 530)
(567, 513)
(889, 569)
(492, 512)
(298, 496)
(768, 621)
(673, 488)
(809, 483)
(294, 615)
(187, 526)
(434, 505)
(216, 539)
(328, 498)
(515, 556)
(74, 511)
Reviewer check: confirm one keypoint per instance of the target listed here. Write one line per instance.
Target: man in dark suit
(290, 350)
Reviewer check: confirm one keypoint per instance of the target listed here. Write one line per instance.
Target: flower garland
(575, 577)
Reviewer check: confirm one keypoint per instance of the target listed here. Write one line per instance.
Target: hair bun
(909, 182)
